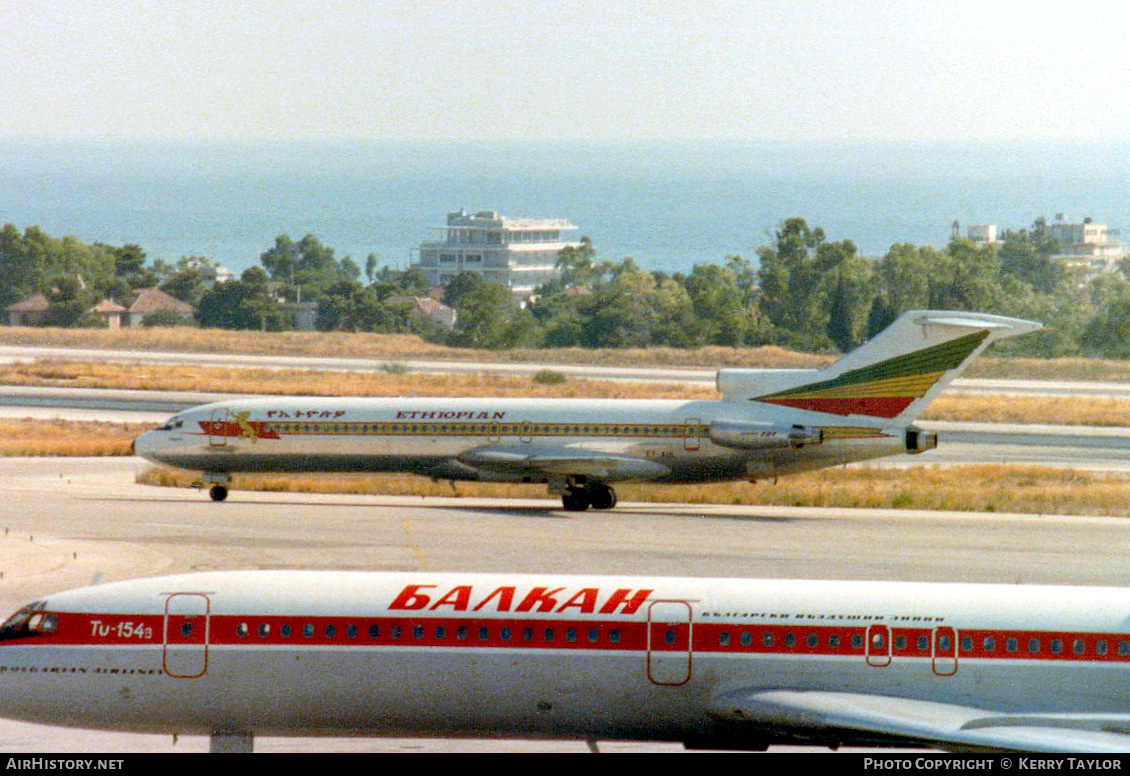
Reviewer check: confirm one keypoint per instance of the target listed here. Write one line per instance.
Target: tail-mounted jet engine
(763, 436)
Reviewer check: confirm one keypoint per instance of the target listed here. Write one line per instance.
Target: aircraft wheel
(218, 492)
(576, 500)
(602, 497)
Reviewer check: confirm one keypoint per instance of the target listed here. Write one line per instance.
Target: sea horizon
(667, 204)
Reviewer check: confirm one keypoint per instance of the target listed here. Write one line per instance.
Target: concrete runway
(69, 522)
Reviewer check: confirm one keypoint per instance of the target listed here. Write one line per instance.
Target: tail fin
(892, 377)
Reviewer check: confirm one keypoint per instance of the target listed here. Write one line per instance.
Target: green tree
(1107, 334)
(577, 264)
(968, 279)
(240, 305)
(620, 313)
(719, 304)
(490, 317)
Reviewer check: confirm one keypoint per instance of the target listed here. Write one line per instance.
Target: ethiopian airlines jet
(768, 423)
(719, 663)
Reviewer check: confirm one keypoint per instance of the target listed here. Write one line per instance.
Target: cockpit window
(28, 621)
(172, 424)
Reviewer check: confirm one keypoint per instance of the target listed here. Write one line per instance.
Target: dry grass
(400, 347)
(77, 374)
(1053, 410)
(974, 488)
(390, 347)
(67, 438)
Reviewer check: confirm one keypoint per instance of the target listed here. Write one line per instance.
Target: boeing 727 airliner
(768, 423)
(709, 662)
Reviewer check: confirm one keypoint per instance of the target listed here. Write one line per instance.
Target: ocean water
(667, 205)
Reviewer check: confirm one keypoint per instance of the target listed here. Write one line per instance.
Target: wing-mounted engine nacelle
(919, 441)
(762, 436)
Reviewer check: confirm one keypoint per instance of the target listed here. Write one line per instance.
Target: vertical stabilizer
(893, 376)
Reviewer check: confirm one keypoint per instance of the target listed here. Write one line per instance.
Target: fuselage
(665, 441)
(551, 656)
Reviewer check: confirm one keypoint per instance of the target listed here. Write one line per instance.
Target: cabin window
(571, 634)
(900, 643)
(284, 631)
(857, 641)
(351, 631)
(1078, 646)
(944, 644)
(1057, 646)
(461, 633)
(923, 644)
(834, 641)
(1011, 645)
(812, 640)
(747, 638)
(594, 635)
(1033, 646)
(966, 644)
(484, 633)
(374, 631)
(395, 632)
(790, 640)
(767, 639)
(330, 631)
(186, 630)
(548, 634)
(440, 633)
(527, 634)
(418, 632)
(1100, 647)
(724, 638)
(669, 637)
(1123, 648)
(614, 636)
(241, 630)
(989, 644)
(308, 631)
(264, 630)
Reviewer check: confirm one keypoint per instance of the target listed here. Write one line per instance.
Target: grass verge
(973, 488)
(403, 347)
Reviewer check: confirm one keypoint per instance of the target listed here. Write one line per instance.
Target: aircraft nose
(143, 445)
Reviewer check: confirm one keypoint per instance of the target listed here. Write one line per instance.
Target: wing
(945, 725)
(560, 461)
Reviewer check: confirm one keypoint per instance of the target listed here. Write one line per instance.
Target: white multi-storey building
(1087, 247)
(519, 253)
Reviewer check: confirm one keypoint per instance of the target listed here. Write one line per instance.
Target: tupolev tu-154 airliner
(768, 423)
(713, 663)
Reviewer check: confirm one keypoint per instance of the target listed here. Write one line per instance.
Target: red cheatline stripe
(709, 637)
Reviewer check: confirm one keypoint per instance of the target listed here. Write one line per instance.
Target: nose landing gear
(217, 483)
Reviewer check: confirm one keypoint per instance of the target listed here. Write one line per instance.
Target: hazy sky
(590, 69)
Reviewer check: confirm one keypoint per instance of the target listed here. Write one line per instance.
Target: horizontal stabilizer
(891, 377)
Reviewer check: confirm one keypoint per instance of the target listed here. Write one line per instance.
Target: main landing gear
(578, 498)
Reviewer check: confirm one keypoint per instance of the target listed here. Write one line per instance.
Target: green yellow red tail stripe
(883, 389)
